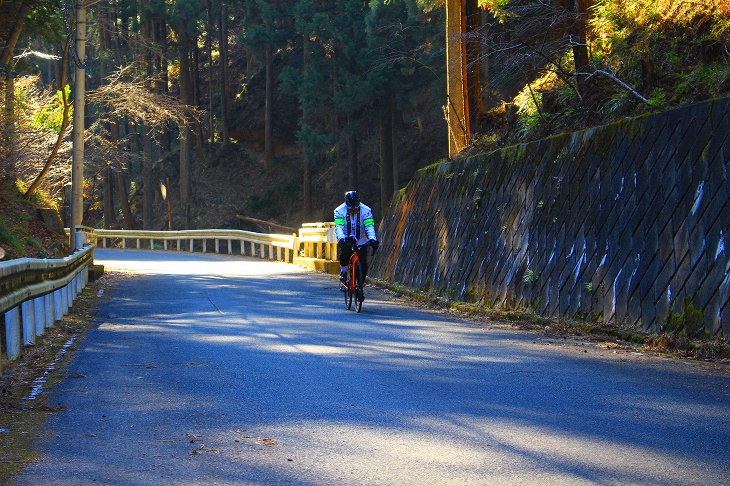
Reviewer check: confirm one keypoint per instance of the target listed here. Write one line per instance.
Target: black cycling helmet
(352, 199)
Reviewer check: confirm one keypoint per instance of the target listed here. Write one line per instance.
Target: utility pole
(457, 107)
(77, 167)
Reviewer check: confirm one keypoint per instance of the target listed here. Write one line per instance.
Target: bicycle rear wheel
(347, 291)
(359, 288)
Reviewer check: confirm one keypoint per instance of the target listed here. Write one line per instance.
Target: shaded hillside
(642, 56)
(28, 228)
(233, 181)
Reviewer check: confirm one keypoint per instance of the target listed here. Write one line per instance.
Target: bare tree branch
(129, 96)
(617, 80)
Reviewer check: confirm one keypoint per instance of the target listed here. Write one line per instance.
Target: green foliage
(687, 323)
(646, 55)
(658, 99)
(32, 242)
(497, 8)
(709, 78)
(51, 117)
(7, 236)
(286, 192)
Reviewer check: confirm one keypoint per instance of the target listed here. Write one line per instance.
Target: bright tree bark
(456, 111)
(209, 49)
(224, 87)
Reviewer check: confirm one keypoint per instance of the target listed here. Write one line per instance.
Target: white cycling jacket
(361, 225)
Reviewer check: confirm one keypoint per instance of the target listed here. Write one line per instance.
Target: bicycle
(353, 287)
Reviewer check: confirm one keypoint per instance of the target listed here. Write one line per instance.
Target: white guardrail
(315, 240)
(273, 246)
(35, 293)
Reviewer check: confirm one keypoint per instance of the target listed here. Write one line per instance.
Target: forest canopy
(272, 108)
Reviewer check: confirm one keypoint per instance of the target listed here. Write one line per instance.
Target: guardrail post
(27, 317)
(230, 247)
(66, 301)
(192, 245)
(12, 332)
(49, 308)
(40, 315)
(57, 305)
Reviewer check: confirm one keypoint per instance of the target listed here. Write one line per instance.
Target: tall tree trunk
(473, 61)
(148, 185)
(6, 55)
(160, 33)
(195, 78)
(223, 48)
(307, 162)
(578, 31)
(209, 49)
(269, 110)
(352, 179)
(6, 59)
(185, 132)
(148, 191)
(108, 203)
(386, 153)
(129, 221)
(457, 96)
(105, 25)
(395, 125)
(484, 62)
(122, 193)
(7, 141)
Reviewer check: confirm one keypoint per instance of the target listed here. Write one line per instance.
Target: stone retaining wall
(625, 223)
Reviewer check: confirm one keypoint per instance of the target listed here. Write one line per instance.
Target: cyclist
(354, 224)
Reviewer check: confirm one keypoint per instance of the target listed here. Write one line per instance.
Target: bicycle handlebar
(359, 248)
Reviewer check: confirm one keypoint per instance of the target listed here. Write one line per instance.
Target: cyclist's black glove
(374, 244)
(351, 240)
(341, 242)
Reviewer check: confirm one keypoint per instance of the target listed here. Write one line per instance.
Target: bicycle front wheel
(359, 288)
(347, 291)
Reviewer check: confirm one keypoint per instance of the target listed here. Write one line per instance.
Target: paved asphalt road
(210, 369)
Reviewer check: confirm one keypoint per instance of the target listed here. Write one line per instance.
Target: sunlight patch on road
(489, 451)
(111, 326)
(595, 453)
(147, 263)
